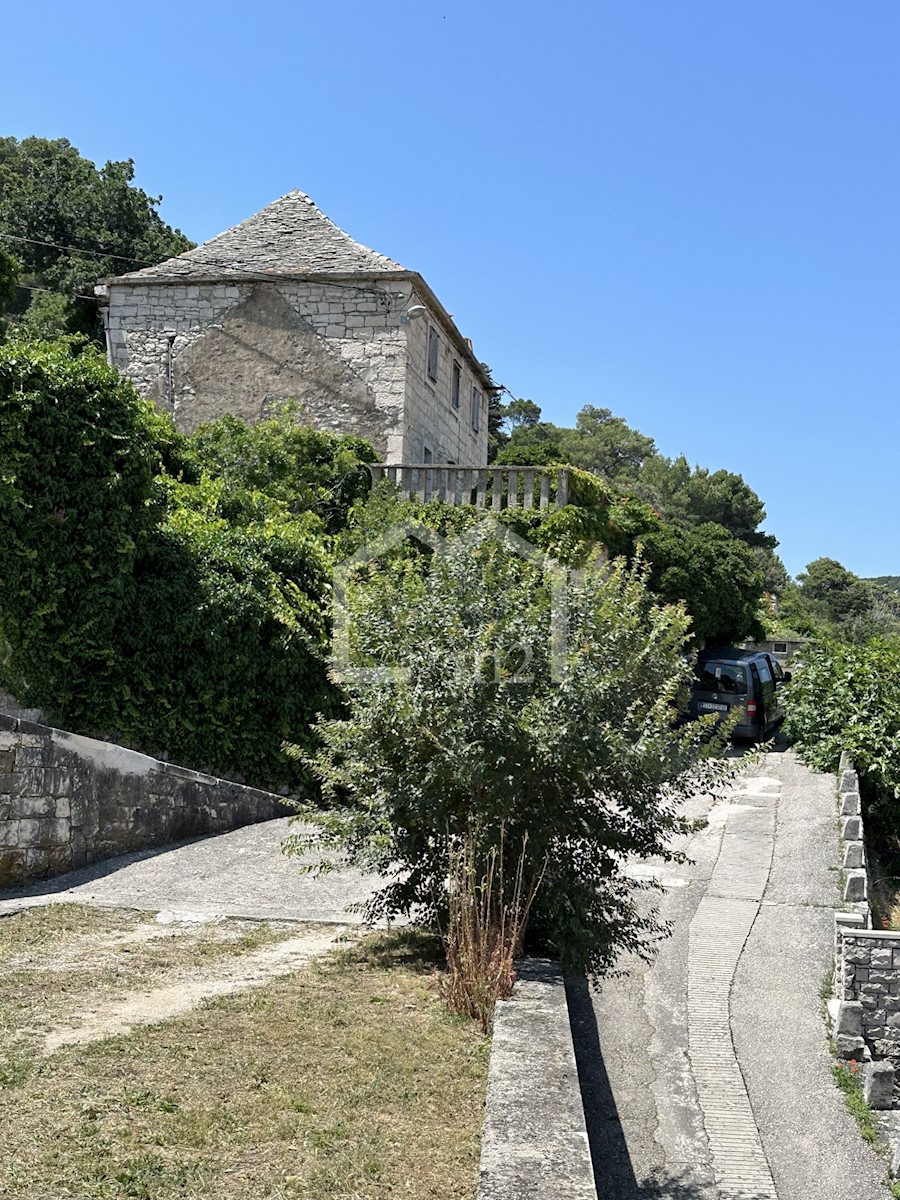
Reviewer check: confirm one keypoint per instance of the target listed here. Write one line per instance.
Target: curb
(535, 1144)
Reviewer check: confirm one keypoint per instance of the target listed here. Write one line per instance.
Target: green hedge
(183, 616)
(847, 697)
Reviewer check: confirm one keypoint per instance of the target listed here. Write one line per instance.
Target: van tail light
(751, 708)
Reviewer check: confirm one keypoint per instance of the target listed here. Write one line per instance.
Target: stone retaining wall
(869, 988)
(66, 801)
(867, 961)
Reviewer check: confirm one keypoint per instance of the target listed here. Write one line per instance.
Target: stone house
(286, 305)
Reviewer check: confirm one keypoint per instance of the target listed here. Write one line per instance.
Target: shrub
(306, 469)
(847, 697)
(459, 730)
(184, 616)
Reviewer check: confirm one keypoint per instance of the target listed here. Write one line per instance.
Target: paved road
(706, 1074)
(239, 874)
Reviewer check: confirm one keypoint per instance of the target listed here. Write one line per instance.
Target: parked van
(728, 678)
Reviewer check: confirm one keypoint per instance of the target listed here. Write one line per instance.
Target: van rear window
(722, 677)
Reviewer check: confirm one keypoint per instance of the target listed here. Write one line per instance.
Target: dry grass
(56, 959)
(346, 1080)
(485, 929)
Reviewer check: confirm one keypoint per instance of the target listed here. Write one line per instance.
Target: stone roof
(288, 237)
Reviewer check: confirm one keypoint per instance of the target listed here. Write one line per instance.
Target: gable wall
(339, 350)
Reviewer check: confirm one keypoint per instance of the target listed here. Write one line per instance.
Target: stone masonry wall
(432, 422)
(203, 349)
(869, 969)
(66, 801)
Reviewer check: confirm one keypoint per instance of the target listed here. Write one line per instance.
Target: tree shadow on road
(614, 1173)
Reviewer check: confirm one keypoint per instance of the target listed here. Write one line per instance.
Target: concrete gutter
(535, 1143)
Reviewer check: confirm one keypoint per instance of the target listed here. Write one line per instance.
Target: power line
(206, 262)
(53, 292)
(15, 237)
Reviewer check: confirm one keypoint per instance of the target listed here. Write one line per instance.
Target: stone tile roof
(288, 237)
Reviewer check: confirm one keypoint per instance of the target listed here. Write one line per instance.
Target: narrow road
(706, 1073)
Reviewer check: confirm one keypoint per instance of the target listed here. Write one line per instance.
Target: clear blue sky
(688, 213)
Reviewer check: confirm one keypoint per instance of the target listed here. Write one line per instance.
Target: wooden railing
(481, 487)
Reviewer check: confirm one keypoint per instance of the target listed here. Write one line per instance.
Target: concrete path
(706, 1074)
(237, 874)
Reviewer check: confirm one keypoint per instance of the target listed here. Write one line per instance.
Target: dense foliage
(715, 574)
(828, 601)
(9, 275)
(153, 591)
(457, 731)
(172, 592)
(891, 582)
(847, 697)
(70, 223)
(683, 499)
(293, 464)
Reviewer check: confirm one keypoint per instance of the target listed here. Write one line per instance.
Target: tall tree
(70, 223)
(698, 496)
(714, 573)
(606, 445)
(9, 276)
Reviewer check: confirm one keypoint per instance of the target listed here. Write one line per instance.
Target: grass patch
(848, 1081)
(57, 959)
(826, 987)
(347, 1080)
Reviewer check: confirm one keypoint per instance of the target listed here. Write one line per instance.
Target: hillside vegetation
(172, 592)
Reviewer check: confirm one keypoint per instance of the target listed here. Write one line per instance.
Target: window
(432, 366)
(428, 456)
(454, 385)
(476, 409)
(722, 677)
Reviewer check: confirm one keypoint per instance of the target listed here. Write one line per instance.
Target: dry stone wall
(66, 801)
(869, 969)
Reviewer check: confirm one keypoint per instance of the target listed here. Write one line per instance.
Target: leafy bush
(181, 615)
(80, 499)
(459, 733)
(847, 697)
(306, 469)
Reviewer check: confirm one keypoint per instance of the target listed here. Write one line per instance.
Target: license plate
(710, 707)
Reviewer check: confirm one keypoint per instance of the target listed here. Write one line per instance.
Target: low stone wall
(867, 962)
(869, 988)
(66, 801)
(535, 1142)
